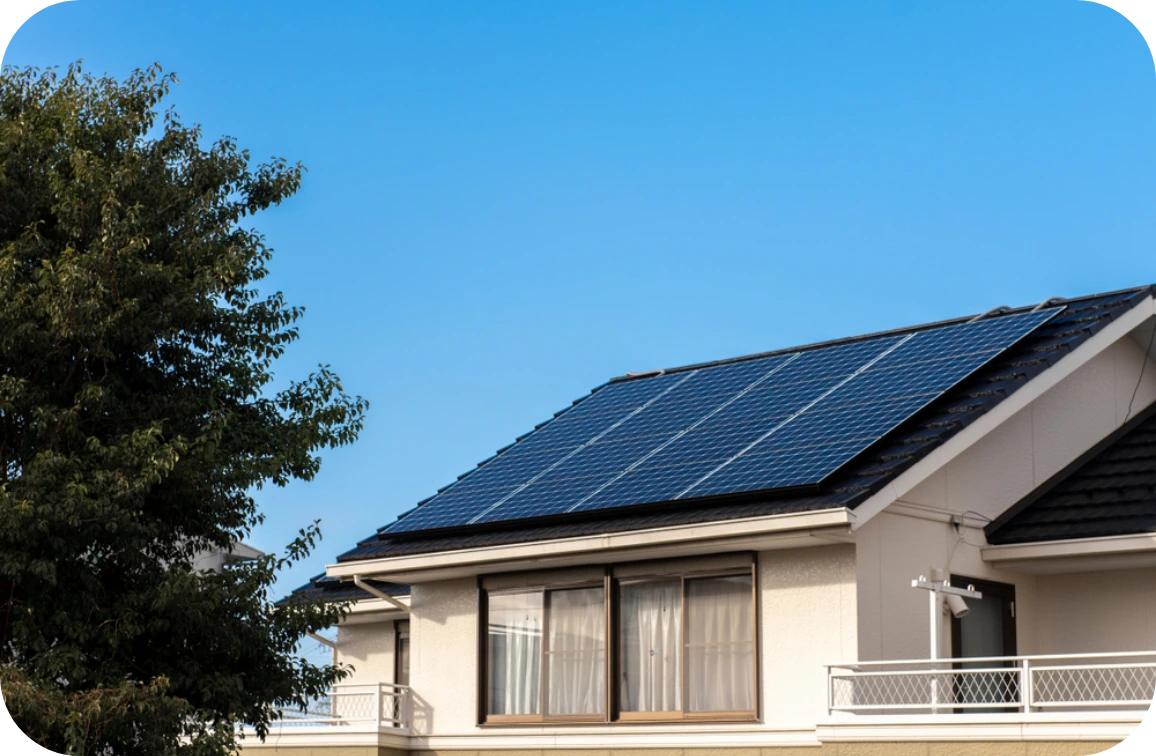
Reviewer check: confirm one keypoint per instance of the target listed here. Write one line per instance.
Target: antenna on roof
(993, 311)
(1048, 303)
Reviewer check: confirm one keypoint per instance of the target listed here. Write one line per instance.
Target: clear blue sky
(508, 203)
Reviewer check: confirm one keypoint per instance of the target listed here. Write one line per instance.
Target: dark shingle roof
(1109, 491)
(333, 589)
(902, 448)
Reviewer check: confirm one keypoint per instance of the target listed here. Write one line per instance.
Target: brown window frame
(612, 713)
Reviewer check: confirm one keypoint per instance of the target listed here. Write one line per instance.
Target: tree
(137, 420)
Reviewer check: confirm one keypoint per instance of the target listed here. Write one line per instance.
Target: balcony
(361, 714)
(1016, 684)
(353, 707)
(1092, 697)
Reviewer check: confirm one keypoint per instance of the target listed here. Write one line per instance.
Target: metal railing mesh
(1122, 681)
(920, 689)
(1099, 684)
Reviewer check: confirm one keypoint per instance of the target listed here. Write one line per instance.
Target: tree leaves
(136, 420)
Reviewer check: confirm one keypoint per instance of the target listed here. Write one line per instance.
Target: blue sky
(508, 203)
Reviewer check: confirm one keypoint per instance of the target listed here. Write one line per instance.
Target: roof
(1110, 491)
(1080, 319)
(333, 589)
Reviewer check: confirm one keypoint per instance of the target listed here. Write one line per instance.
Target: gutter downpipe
(375, 592)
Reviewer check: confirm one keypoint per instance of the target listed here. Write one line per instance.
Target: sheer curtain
(515, 646)
(651, 638)
(720, 644)
(576, 652)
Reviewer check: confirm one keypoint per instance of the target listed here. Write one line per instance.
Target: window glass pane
(719, 644)
(651, 645)
(514, 633)
(576, 652)
(403, 661)
(401, 672)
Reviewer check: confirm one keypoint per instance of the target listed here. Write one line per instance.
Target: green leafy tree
(136, 421)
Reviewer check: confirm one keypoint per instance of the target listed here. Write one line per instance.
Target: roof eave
(792, 530)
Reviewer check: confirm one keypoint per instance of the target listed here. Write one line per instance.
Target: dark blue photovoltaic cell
(642, 486)
(770, 422)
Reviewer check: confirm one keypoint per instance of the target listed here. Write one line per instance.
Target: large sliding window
(683, 647)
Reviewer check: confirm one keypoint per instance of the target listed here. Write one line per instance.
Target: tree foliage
(136, 420)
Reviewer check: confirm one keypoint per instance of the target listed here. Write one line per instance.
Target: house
(217, 560)
(940, 539)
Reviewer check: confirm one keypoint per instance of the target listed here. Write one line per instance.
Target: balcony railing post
(1026, 685)
(377, 706)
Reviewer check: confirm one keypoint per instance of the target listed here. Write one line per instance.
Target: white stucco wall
(1097, 612)
(808, 619)
(444, 656)
(915, 534)
(369, 649)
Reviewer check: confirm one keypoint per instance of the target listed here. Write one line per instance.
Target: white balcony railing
(370, 705)
(1014, 684)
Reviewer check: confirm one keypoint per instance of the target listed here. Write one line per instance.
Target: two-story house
(940, 539)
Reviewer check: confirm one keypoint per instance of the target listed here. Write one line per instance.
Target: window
(401, 652)
(546, 655)
(683, 648)
(686, 647)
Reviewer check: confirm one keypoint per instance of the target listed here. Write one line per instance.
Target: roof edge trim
(490, 557)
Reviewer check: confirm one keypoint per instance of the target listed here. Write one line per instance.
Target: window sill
(624, 723)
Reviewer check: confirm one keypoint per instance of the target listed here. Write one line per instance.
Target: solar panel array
(784, 420)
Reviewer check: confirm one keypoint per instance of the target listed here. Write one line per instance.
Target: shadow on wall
(421, 715)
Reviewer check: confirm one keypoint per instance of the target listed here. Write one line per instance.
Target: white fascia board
(999, 414)
(1076, 555)
(802, 528)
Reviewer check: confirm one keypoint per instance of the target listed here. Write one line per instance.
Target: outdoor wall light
(958, 607)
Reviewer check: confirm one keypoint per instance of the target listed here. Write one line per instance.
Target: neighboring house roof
(1110, 491)
(333, 589)
(900, 449)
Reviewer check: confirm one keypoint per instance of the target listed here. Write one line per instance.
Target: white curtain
(720, 647)
(515, 645)
(651, 637)
(576, 650)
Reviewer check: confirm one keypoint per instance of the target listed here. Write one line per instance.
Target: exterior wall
(807, 619)
(1097, 612)
(915, 534)
(443, 660)
(369, 648)
(807, 610)
(894, 549)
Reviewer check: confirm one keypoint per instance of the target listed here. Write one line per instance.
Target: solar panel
(778, 421)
